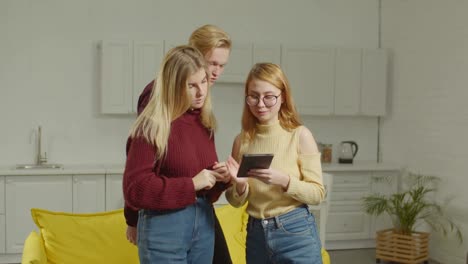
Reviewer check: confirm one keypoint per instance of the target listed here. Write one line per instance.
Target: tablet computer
(254, 161)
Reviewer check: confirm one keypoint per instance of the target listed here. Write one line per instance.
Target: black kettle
(347, 151)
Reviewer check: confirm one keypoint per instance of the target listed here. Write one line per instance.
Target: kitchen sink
(38, 166)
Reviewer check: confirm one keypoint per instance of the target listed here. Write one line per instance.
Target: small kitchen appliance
(347, 151)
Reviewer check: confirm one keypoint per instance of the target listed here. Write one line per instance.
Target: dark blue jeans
(288, 238)
(177, 236)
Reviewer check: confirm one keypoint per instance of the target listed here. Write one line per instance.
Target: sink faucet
(40, 159)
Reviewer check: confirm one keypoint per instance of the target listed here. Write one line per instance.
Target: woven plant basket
(407, 249)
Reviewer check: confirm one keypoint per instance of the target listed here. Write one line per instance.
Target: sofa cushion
(33, 252)
(85, 238)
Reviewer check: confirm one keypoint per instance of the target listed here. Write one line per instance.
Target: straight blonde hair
(288, 117)
(170, 98)
(208, 37)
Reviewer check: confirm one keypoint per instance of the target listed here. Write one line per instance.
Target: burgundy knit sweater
(144, 97)
(167, 184)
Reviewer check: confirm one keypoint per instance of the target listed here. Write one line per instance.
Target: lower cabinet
(349, 226)
(88, 193)
(114, 194)
(25, 192)
(84, 193)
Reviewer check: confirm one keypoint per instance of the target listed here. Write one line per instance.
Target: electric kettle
(347, 151)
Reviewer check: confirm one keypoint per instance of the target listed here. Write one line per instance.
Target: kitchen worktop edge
(118, 169)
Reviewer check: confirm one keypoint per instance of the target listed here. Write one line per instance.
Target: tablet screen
(254, 161)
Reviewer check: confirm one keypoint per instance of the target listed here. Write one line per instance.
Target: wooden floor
(356, 256)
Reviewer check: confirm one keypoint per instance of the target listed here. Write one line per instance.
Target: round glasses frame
(268, 100)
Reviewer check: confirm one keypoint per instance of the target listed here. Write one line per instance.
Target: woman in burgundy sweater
(215, 45)
(169, 175)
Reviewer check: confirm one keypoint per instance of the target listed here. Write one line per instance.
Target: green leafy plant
(414, 204)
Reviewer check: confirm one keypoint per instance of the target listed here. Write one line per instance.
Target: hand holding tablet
(254, 161)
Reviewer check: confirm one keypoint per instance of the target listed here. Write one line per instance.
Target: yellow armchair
(233, 222)
(79, 238)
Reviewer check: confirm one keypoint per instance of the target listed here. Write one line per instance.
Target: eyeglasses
(268, 100)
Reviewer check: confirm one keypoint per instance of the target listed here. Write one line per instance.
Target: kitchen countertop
(118, 169)
(360, 166)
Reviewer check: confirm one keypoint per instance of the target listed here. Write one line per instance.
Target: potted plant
(407, 209)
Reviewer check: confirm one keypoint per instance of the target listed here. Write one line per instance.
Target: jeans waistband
(276, 220)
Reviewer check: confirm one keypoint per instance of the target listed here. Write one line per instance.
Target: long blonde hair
(208, 37)
(288, 117)
(170, 98)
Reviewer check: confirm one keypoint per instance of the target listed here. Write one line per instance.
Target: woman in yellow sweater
(280, 229)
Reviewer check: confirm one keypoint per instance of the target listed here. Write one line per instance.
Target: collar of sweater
(270, 129)
(190, 117)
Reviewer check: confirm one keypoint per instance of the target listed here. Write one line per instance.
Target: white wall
(428, 124)
(49, 62)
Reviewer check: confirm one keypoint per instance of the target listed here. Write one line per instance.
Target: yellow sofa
(79, 238)
(100, 237)
(233, 221)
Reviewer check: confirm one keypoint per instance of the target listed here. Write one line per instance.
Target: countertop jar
(326, 153)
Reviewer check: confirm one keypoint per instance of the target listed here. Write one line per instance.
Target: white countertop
(360, 166)
(118, 169)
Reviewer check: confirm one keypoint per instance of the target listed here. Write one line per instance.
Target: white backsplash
(228, 100)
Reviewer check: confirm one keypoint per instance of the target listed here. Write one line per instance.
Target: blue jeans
(177, 236)
(288, 238)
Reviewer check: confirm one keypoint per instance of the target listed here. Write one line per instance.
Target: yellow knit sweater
(305, 171)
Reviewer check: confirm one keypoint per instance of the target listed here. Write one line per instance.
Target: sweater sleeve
(234, 198)
(308, 188)
(215, 192)
(144, 97)
(144, 188)
(131, 215)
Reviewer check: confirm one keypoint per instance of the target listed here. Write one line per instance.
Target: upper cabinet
(244, 55)
(374, 82)
(126, 68)
(240, 61)
(347, 82)
(337, 81)
(310, 71)
(324, 80)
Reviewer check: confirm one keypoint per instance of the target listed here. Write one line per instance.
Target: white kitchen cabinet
(169, 44)
(114, 193)
(311, 73)
(337, 81)
(374, 82)
(349, 226)
(147, 57)
(33, 191)
(348, 81)
(126, 68)
(88, 193)
(244, 55)
(347, 220)
(360, 82)
(239, 64)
